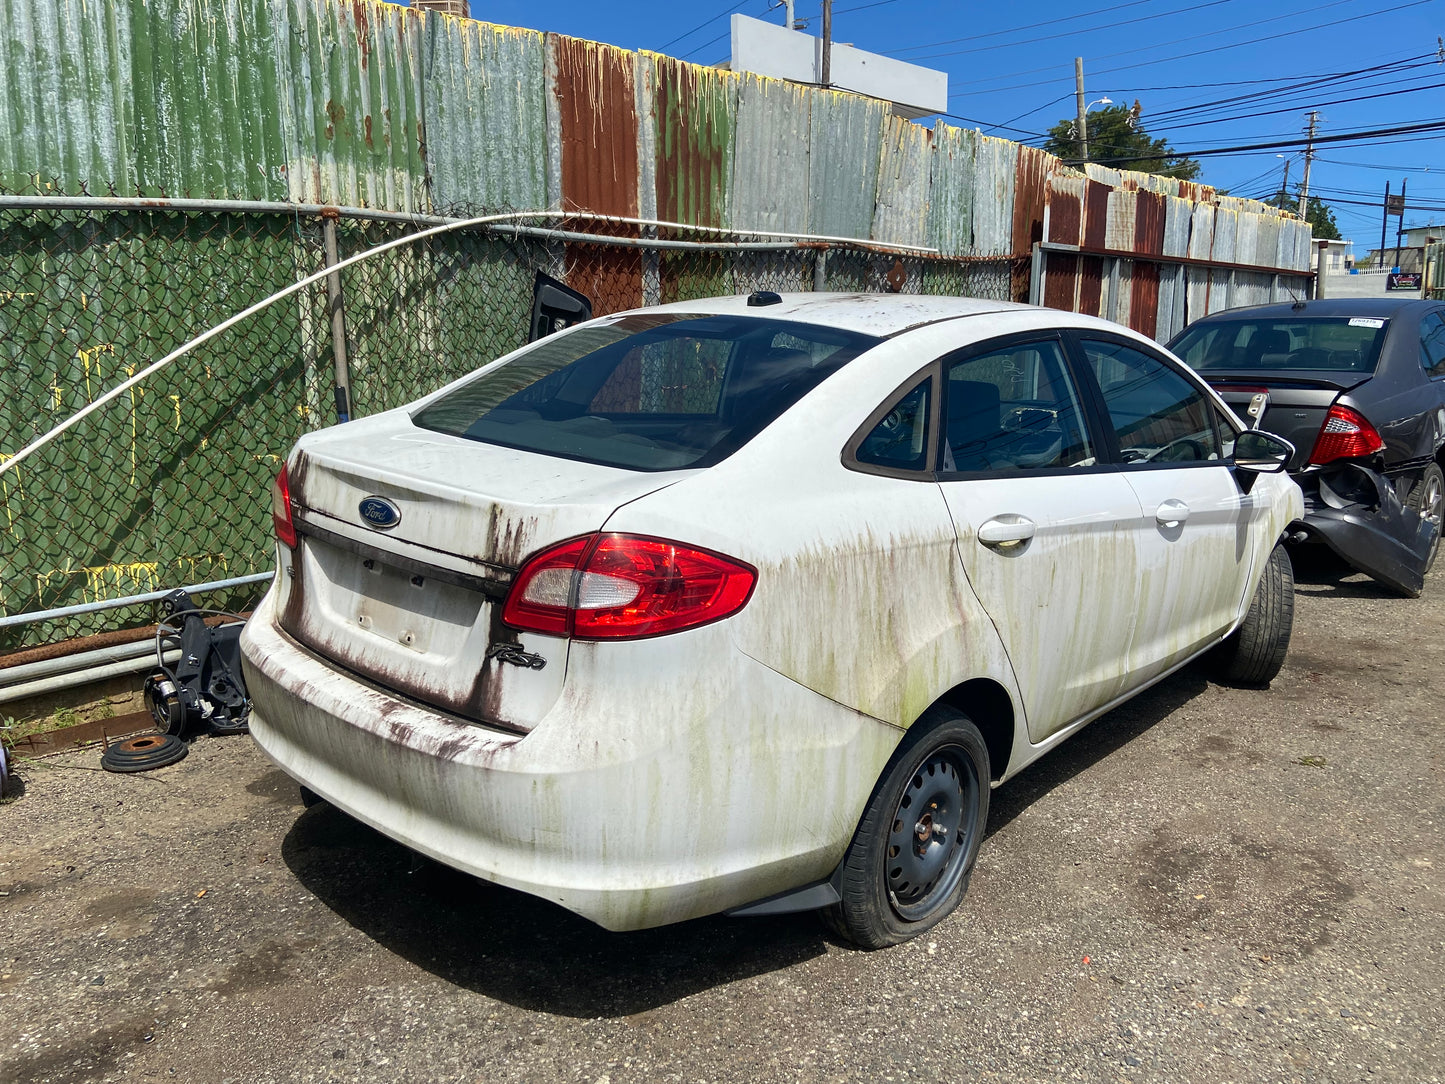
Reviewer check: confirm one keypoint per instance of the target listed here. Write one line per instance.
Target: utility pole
(1304, 188)
(1079, 96)
(827, 42)
(788, 6)
(1284, 186)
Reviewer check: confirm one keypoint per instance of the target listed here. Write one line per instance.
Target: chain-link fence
(169, 485)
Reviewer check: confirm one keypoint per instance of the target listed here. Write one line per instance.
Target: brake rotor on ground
(143, 752)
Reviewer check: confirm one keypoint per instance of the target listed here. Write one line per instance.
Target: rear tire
(911, 856)
(1254, 653)
(1427, 497)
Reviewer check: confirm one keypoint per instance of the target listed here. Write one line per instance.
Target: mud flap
(1361, 518)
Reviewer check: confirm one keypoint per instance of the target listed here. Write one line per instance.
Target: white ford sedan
(744, 604)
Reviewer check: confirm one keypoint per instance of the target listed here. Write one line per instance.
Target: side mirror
(1262, 453)
(555, 306)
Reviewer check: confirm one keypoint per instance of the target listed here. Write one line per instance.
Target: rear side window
(1013, 409)
(646, 392)
(1158, 415)
(899, 440)
(1432, 345)
(1327, 344)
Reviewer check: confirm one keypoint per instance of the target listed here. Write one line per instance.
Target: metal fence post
(820, 269)
(334, 306)
(1036, 275)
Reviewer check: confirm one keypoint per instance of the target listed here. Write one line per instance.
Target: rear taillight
(281, 509)
(618, 587)
(1346, 434)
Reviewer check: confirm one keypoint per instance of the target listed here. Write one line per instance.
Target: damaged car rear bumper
(633, 811)
(1356, 513)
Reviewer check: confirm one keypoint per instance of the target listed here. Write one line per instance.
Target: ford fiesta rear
(457, 652)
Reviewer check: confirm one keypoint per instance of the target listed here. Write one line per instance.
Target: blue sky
(1011, 73)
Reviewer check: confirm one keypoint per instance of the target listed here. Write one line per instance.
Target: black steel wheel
(909, 862)
(1427, 497)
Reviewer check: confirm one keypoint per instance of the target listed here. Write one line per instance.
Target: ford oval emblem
(380, 513)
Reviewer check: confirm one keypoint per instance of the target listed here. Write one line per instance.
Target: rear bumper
(651, 793)
(1355, 511)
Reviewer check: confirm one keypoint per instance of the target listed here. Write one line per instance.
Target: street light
(1101, 101)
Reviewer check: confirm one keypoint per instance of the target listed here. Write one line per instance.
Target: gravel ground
(1206, 885)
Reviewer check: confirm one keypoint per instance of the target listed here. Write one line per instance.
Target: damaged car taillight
(1346, 434)
(281, 509)
(616, 587)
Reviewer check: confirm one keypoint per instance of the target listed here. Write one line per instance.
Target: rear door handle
(1171, 513)
(1006, 530)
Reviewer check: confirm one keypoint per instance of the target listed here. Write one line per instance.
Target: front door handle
(1171, 513)
(1006, 530)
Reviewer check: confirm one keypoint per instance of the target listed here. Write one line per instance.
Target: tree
(1116, 138)
(1320, 217)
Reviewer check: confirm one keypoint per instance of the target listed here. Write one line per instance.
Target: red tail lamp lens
(1346, 434)
(281, 509)
(617, 587)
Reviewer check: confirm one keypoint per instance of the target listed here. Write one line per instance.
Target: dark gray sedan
(1358, 386)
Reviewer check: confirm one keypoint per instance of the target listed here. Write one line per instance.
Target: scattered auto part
(206, 686)
(143, 752)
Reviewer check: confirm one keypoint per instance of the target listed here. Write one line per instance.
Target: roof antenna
(1299, 304)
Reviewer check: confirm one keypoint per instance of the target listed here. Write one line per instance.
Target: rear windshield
(648, 392)
(1343, 344)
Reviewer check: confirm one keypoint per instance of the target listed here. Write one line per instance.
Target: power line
(1198, 52)
(1093, 29)
(1342, 137)
(1021, 29)
(705, 22)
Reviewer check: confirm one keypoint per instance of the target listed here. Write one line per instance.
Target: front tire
(1254, 653)
(911, 856)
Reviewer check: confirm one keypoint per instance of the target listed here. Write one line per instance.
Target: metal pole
(1284, 188)
(1320, 269)
(827, 77)
(1384, 222)
(338, 319)
(1400, 224)
(789, 6)
(1079, 98)
(820, 269)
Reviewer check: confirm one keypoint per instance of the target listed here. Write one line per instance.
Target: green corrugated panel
(486, 116)
(951, 185)
(64, 113)
(353, 114)
(695, 114)
(995, 169)
(846, 132)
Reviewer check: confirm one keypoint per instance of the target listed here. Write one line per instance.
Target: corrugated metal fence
(385, 110)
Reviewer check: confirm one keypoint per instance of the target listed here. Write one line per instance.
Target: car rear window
(1341, 344)
(659, 391)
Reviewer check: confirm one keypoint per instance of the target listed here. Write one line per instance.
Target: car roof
(873, 314)
(1325, 307)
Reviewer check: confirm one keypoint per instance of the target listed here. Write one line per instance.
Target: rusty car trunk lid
(408, 541)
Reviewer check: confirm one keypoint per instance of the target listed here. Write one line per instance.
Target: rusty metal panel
(1064, 209)
(1149, 214)
(901, 216)
(1201, 244)
(1096, 214)
(352, 104)
(993, 206)
(845, 136)
(951, 187)
(598, 114)
(1030, 175)
(770, 159)
(486, 116)
(1061, 281)
(694, 117)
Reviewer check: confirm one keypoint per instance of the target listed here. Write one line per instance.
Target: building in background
(768, 49)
